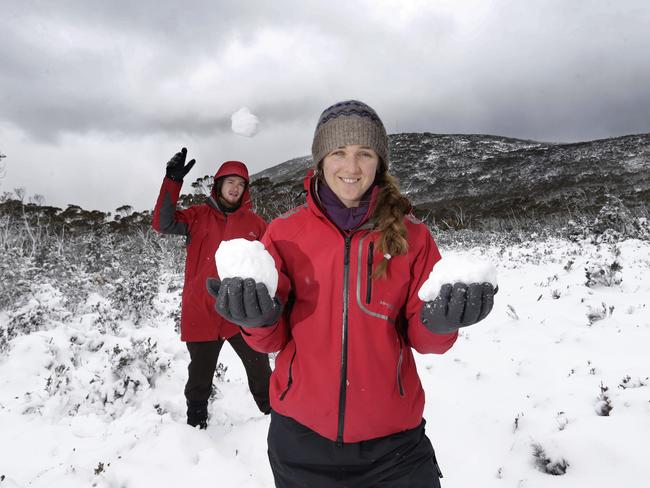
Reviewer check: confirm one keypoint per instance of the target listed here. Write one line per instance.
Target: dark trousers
(203, 363)
(302, 458)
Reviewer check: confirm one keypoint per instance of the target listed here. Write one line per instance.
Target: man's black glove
(176, 167)
(244, 302)
(458, 306)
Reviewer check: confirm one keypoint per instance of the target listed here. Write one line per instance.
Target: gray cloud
(151, 76)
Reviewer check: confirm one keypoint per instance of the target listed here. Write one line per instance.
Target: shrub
(555, 467)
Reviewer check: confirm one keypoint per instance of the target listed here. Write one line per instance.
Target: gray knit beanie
(349, 122)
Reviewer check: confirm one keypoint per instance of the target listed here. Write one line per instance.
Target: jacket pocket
(371, 251)
(290, 377)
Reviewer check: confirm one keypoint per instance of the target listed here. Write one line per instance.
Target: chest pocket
(375, 297)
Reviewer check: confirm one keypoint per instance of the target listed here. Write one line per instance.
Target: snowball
(456, 270)
(246, 259)
(244, 122)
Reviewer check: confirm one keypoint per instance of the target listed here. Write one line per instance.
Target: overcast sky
(96, 96)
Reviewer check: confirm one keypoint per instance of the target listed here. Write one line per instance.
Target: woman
(346, 397)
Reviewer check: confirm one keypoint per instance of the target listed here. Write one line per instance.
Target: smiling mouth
(349, 180)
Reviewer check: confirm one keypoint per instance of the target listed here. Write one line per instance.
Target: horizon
(39, 200)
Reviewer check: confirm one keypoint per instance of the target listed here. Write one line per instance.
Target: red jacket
(345, 367)
(205, 227)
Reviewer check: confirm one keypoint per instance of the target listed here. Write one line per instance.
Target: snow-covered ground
(89, 400)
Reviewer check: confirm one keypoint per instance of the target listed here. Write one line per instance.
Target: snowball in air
(454, 269)
(244, 122)
(246, 259)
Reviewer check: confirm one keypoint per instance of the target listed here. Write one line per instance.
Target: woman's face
(349, 171)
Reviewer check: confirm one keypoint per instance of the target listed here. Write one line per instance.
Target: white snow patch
(456, 269)
(247, 259)
(510, 382)
(244, 122)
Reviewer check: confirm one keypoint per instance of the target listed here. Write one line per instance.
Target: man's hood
(236, 168)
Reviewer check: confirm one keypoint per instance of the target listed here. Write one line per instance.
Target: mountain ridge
(475, 176)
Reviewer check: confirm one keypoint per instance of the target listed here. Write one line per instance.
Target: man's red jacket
(205, 226)
(345, 367)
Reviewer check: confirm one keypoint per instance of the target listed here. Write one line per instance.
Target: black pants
(302, 458)
(203, 363)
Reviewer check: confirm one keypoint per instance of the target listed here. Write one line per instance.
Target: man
(226, 215)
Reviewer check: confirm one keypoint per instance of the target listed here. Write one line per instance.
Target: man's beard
(228, 205)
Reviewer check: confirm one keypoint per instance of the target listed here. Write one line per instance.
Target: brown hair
(388, 218)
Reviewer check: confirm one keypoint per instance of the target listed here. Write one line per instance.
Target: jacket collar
(212, 203)
(313, 202)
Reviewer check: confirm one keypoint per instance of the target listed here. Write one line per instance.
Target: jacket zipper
(344, 342)
(399, 367)
(371, 249)
(290, 380)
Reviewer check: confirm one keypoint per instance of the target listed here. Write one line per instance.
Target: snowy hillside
(551, 390)
(468, 180)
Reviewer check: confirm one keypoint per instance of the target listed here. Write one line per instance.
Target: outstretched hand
(244, 302)
(176, 167)
(458, 306)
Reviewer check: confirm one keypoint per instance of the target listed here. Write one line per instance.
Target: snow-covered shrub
(641, 228)
(605, 271)
(544, 463)
(23, 322)
(101, 251)
(106, 318)
(140, 360)
(133, 293)
(220, 377)
(58, 380)
(18, 273)
(220, 372)
(614, 217)
(595, 314)
(175, 314)
(627, 382)
(599, 274)
(603, 403)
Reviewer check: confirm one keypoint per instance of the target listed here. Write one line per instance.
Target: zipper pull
(346, 258)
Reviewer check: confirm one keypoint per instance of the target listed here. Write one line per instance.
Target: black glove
(176, 167)
(244, 302)
(458, 306)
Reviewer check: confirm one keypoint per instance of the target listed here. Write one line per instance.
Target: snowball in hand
(456, 270)
(246, 259)
(244, 122)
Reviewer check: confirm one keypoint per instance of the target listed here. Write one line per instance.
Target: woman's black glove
(244, 302)
(176, 167)
(458, 306)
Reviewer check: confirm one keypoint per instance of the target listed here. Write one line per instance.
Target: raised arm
(166, 219)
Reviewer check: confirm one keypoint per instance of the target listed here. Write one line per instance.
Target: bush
(555, 467)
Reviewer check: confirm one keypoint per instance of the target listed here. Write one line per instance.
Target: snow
(456, 269)
(247, 259)
(531, 376)
(244, 122)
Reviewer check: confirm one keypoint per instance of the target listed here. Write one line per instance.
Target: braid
(389, 220)
(388, 216)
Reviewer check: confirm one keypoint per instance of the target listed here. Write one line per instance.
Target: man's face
(232, 189)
